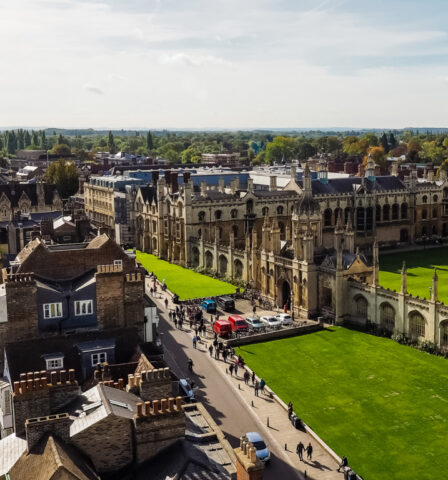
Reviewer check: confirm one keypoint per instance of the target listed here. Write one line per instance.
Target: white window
(83, 307)
(52, 310)
(98, 358)
(118, 263)
(54, 363)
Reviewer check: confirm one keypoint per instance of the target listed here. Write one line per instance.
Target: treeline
(255, 147)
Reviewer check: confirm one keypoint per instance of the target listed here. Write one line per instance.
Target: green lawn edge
(182, 281)
(382, 404)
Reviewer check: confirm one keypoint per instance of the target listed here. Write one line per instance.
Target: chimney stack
(248, 466)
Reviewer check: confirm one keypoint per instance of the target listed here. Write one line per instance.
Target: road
(221, 400)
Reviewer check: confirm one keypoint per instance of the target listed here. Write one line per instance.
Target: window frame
(49, 316)
(59, 363)
(78, 307)
(118, 263)
(99, 355)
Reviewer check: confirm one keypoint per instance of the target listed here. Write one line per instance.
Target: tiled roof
(11, 448)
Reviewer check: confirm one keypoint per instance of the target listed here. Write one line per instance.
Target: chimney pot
(155, 405)
(30, 384)
(116, 385)
(164, 405)
(22, 376)
(29, 375)
(147, 408)
(43, 382)
(36, 375)
(23, 386)
(54, 378)
(179, 403)
(167, 372)
(120, 383)
(253, 454)
(138, 380)
(71, 375)
(139, 409)
(171, 401)
(16, 388)
(63, 376)
(131, 380)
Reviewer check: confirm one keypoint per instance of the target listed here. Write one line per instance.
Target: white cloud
(218, 63)
(92, 88)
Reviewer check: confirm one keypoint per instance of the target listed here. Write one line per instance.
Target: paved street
(230, 406)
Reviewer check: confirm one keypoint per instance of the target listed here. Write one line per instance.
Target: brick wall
(248, 466)
(108, 443)
(151, 384)
(58, 425)
(110, 299)
(134, 311)
(160, 424)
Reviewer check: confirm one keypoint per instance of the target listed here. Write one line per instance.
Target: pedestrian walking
(343, 464)
(224, 356)
(175, 321)
(246, 377)
(216, 354)
(151, 291)
(309, 451)
(210, 349)
(262, 385)
(253, 378)
(231, 369)
(290, 409)
(254, 309)
(236, 369)
(180, 323)
(256, 387)
(299, 450)
(195, 341)
(166, 303)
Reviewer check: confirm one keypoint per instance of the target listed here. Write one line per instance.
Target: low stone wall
(274, 335)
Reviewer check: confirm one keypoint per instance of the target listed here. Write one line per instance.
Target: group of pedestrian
(178, 316)
(301, 448)
(258, 385)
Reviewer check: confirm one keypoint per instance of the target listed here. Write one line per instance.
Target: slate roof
(126, 345)
(336, 186)
(149, 194)
(216, 195)
(11, 448)
(14, 191)
(49, 459)
(347, 259)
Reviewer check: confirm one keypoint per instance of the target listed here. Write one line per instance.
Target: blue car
(209, 306)
(263, 453)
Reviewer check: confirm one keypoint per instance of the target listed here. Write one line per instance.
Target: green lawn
(420, 266)
(186, 283)
(383, 405)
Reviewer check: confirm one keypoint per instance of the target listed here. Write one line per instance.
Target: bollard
(267, 422)
(239, 388)
(286, 446)
(252, 403)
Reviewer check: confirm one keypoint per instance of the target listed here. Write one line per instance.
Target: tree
(35, 138)
(384, 142)
(191, 155)
(355, 146)
(392, 141)
(149, 141)
(61, 149)
(63, 174)
(371, 139)
(43, 140)
(10, 142)
(111, 142)
(26, 139)
(379, 157)
(305, 150)
(431, 152)
(413, 147)
(280, 148)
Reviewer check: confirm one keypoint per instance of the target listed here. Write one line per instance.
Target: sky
(199, 64)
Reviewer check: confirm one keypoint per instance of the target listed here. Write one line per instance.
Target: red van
(238, 323)
(223, 328)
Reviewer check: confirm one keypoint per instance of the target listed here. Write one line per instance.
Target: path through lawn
(383, 405)
(186, 283)
(420, 266)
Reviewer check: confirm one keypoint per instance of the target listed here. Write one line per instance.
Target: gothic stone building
(309, 245)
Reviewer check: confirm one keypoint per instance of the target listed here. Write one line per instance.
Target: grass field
(186, 283)
(383, 405)
(420, 266)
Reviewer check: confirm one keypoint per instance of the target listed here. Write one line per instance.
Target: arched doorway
(237, 269)
(195, 257)
(286, 294)
(223, 265)
(154, 244)
(208, 260)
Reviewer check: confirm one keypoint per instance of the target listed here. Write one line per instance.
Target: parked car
(285, 318)
(209, 306)
(272, 322)
(223, 328)
(255, 323)
(226, 303)
(238, 323)
(263, 453)
(187, 389)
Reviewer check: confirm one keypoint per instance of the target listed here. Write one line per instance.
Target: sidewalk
(273, 416)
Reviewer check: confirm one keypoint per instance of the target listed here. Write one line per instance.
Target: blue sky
(223, 63)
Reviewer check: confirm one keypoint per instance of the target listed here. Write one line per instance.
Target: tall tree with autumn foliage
(379, 157)
(64, 175)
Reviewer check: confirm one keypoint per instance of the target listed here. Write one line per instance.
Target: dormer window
(99, 357)
(83, 307)
(54, 363)
(52, 310)
(118, 263)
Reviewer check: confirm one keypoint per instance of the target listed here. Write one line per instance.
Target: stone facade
(305, 246)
